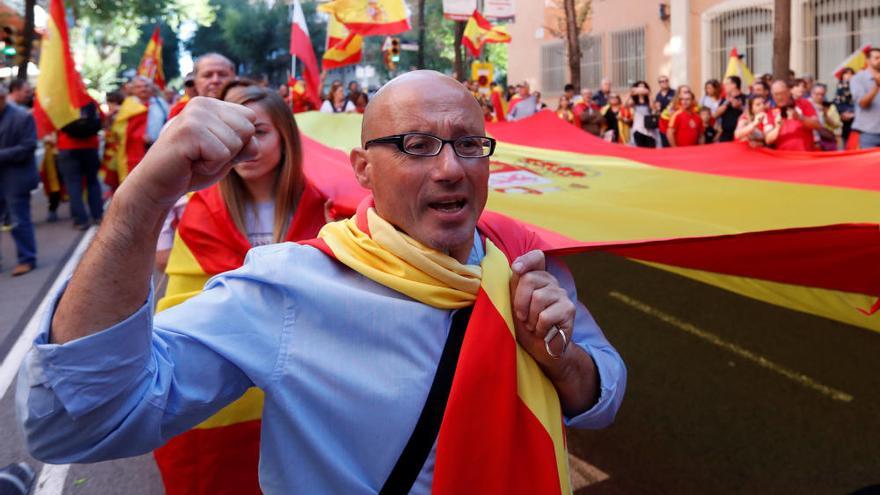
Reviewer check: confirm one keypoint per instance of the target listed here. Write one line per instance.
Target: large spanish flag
(220, 456)
(370, 17)
(796, 229)
(60, 91)
(478, 31)
(343, 47)
(856, 61)
(151, 62)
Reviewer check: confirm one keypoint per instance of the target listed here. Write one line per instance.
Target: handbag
(652, 122)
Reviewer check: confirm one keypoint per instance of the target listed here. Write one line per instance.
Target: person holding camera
(730, 107)
(796, 120)
(645, 121)
(754, 125)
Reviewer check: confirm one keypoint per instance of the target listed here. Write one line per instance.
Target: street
(725, 394)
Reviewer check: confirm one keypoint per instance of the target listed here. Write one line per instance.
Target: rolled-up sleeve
(609, 364)
(129, 388)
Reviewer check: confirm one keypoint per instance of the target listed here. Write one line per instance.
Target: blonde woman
(261, 201)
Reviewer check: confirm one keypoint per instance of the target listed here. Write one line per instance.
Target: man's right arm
(113, 279)
(865, 92)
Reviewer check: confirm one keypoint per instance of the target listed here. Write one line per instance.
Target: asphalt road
(703, 414)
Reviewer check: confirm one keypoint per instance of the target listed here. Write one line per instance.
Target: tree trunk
(28, 38)
(781, 39)
(459, 59)
(572, 45)
(420, 58)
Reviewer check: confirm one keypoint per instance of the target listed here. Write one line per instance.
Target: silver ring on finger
(554, 331)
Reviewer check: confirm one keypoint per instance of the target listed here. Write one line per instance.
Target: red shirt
(794, 135)
(687, 127)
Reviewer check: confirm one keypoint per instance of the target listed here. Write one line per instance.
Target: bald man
(354, 337)
(211, 72)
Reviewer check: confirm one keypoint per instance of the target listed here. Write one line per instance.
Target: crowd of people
(794, 114)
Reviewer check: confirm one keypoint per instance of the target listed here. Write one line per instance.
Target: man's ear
(361, 166)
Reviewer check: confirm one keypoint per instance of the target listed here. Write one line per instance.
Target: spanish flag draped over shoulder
(499, 104)
(856, 61)
(220, 456)
(151, 62)
(60, 91)
(343, 47)
(370, 17)
(799, 230)
(502, 430)
(125, 142)
(478, 31)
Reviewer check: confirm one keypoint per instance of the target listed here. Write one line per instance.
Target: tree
(781, 39)
(569, 27)
(29, 37)
(420, 61)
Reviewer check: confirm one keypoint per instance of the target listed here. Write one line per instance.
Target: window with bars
(553, 67)
(592, 70)
(750, 31)
(627, 57)
(833, 29)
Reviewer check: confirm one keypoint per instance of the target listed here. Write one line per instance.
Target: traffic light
(395, 50)
(9, 42)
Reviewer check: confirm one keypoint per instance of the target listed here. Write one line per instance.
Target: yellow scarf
(396, 260)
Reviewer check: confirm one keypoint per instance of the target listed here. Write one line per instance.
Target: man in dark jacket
(18, 176)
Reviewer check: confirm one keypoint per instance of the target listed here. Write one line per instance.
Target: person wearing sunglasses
(423, 345)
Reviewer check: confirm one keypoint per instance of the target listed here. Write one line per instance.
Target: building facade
(688, 40)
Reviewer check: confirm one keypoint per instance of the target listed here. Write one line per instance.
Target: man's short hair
(212, 55)
(873, 49)
(16, 84)
(115, 97)
(763, 84)
(736, 81)
(568, 87)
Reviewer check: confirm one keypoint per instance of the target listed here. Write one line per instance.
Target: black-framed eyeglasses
(421, 144)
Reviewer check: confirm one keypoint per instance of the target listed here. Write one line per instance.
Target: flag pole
(292, 56)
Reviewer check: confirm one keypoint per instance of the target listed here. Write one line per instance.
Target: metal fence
(627, 56)
(592, 69)
(553, 67)
(750, 31)
(833, 29)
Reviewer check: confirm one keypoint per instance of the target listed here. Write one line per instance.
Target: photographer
(794, 120)
(754, 125)
(645, 122)
(730, 107)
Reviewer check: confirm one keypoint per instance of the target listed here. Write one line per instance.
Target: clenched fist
(196, 150)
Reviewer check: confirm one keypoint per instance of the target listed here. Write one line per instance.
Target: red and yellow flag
(737, 67)
(343, 47)
(502, 429)
(125, 146)
(479, 31)
(151, 62)
(60, 91)
(796, 229)
(856, 61)
(370, 17)
(220, 455)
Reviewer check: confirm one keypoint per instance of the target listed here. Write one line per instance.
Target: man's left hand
(539, 304)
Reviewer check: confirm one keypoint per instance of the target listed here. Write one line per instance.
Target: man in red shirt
(587, 114)
(685, 125)
(795, 120)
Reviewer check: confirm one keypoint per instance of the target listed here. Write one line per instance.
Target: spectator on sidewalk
(157, 109)
(665, 94)
(645, 133)
(829, 119)
(730, 107)
(586, 113)
(563, 110)
(20, 93)
(78, 163)
(843, 100)
(685, 125)
(710, 132)
(761, 88)
(794, 120)
(712, 95)
(18, 176)
(600, 98)
(865, 87)
(754, 123)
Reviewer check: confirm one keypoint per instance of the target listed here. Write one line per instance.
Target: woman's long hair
(289, 179)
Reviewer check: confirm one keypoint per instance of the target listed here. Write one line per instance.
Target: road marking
(746, 354)
(51, 480)
(584, 474)
(9, 367)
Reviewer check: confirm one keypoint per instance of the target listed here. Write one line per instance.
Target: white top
(258, 222)
(327, 107)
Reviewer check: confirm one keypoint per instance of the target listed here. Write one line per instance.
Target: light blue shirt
(157, 114)
(345, 364)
